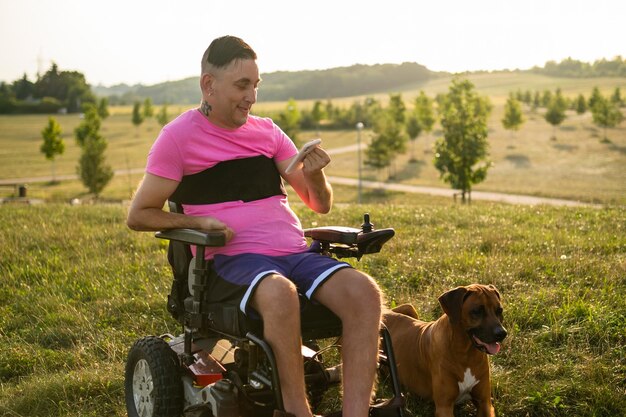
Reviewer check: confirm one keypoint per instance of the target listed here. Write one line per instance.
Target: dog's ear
(451, 303)
(495, 290)
(407, 310)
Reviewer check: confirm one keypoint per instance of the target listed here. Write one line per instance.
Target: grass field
(78, 287)
(72, 303)
(578, 165)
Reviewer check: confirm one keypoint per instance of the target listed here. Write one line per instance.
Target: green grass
(78, 288)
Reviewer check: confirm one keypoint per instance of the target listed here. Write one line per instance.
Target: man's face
(234, 92)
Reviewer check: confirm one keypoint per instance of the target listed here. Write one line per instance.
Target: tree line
(605, 110)
(53, 92)
(66, 90)
(342, 82)
(578, 69)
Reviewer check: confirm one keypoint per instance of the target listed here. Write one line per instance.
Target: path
(405, 188)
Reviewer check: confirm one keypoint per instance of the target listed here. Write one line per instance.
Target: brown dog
(446, 360)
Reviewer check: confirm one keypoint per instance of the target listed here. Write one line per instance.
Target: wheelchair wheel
(153, 385)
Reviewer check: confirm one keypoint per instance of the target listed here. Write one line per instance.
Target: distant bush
(46, 105)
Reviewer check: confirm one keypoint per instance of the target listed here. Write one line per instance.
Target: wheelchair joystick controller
(367, 226)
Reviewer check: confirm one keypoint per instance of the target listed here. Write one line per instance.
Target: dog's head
(477, 309)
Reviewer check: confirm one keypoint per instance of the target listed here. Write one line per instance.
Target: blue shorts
(306, 270)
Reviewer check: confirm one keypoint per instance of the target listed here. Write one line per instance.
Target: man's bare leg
(276, 300)
(356, 299)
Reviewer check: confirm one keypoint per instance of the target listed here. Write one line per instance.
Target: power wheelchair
(220, 366)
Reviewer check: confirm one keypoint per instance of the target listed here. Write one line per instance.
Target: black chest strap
(246, 179)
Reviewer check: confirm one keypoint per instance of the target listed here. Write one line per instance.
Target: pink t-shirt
(191, 144)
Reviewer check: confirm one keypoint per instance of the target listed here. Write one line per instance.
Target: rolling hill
(283, 85)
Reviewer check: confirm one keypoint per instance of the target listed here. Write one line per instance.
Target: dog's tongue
(492, 348)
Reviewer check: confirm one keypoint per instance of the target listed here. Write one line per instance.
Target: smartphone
(306, 148)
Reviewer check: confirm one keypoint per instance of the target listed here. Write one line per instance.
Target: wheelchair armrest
(193, 237)
(372, 242)
(334, 234)
(347, 242)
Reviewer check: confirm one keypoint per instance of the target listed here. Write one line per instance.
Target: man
(265, 257)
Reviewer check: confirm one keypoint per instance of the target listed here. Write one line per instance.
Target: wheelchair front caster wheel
(153, 385)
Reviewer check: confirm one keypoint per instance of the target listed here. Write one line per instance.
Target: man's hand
(315, 161)
(310, 182)
(211, 224)
(146, 210)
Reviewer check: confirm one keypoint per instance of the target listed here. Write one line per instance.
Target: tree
(162, 116)
(90, 125)
(103, 108)
(289, 120)
(397, 108)
(559, 100)
(461, 154)
(391, 134)
(92, 169)
(7, 98)
(318, 114)
(148, 109)
(329, 109)
(53, 143)
(424, 111)
(513, 116)
(413, 129)
(546, 98)
(23, 88)
(595, 95)
(615, 98)
(69, 87)
(49, 84)
(536, 101)
(372, 111)
(424, 119)
(580, 105)
(555, 114)
(377, 154)
(606, 114)
(138, 116)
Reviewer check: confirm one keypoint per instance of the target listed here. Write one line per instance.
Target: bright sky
(150, 41)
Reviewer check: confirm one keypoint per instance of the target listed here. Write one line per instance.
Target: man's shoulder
(260, 122)
(183, 119)
(181, 127)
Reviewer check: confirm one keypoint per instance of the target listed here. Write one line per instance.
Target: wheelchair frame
(218, 370)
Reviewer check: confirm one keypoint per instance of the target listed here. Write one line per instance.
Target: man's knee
(353, 293)
(363, 287)
(276, 296)
(369, 293)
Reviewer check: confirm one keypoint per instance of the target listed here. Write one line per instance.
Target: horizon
(345, 66)
(150, 42)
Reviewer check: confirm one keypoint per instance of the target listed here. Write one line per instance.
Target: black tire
(153, 385)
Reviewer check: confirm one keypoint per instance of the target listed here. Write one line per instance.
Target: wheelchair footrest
(206, 369)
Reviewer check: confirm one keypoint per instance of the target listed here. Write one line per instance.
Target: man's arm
(146, 210)
(310, 182)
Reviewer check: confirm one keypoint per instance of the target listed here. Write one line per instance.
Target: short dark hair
(224, 50)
